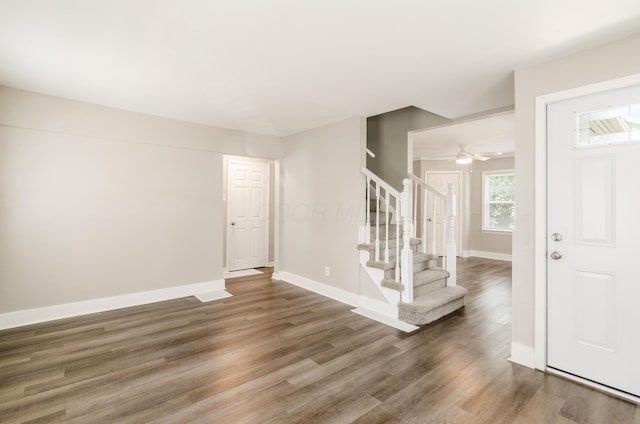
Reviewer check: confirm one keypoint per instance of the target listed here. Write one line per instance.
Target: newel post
(406, 263)
(451, 249)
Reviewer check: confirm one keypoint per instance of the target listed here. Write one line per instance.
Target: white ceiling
(283, 66)
(490, 136)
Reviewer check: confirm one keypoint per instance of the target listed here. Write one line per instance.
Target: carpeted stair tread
(417, 257)
(392, 244)
(429, 276)
(392, 284)
(434, 299)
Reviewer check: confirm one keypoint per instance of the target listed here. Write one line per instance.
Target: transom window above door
(613, 125)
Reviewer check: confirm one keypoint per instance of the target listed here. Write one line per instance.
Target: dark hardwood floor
(275, 353)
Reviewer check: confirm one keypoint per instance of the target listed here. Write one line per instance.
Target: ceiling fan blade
(481, 158)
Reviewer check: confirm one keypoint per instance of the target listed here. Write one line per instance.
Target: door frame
(540, 214)
(273, 197)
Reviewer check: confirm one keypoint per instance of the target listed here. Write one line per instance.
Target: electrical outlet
(327, 271)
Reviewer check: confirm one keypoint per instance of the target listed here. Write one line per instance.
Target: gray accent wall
(387, 138)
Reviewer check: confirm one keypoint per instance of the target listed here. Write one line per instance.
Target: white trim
(320, 288)
(522, 355)
(67, 310)
(229, 161)
(540, 201)
(379, 307)
(383, 319)
(594, 385)
(461, 192)
(276, 216)
(487, 255)
(270, 264)
(485, 204)
(499, 232)
(363, 304)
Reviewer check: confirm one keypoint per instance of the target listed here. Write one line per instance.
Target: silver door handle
(233, 223)
(555, 255)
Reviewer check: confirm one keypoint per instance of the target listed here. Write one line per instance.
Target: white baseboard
(378, 306)
(523, 355)
(391, 322)
(67, 310)
(365, 304)
(271, 264)
(487, 255)
(317, 287)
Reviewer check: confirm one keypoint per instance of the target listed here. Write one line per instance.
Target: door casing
(273, 198)
(540, 215)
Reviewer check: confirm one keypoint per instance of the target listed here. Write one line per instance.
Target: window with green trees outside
(498, 200)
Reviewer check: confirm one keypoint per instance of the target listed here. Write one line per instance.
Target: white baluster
(451, 249)
(406, 268)
(415, 209)
(386, 226)
(398, 220)
(434, 249)
(377, 245)
(367, 212)
(425, 225)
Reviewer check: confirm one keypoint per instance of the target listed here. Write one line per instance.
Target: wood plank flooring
(275, 353)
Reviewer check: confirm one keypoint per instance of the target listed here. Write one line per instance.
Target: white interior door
(593, 286)
(247, 214)
(441, 180)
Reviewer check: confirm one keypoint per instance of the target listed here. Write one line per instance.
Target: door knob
(556, 237)
(555, 255)
(233, 222)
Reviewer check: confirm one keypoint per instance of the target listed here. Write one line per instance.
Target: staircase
(398, 262)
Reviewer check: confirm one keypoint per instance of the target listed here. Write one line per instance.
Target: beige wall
(98, 202)
(322, 195)
(615, 60)
(470, 198)
(387, 137)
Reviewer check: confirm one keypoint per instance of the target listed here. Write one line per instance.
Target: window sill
(492, 231)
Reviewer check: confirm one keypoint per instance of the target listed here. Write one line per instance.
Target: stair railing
(446, 205)
(421, 193)
(387, 201)
(400, 208)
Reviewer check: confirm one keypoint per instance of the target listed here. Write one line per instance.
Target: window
(498, 212)
(620, 124)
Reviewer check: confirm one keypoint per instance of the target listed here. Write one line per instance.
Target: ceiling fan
(463, 156)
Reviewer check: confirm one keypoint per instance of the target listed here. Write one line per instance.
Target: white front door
(593, 286)
(440, 181)
(247, 214)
